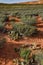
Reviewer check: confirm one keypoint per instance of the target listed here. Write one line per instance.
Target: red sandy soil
(7, 53)
(8, 25)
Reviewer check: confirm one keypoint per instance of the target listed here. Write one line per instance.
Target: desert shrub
(5, 18)
(39, 57)
(2, 42)
(30, 30)
(30, 21)
(2, 26)
(14, 35)
(20, 30)
(25, 29)
(28, 58)
(2, 29)
(24, 53)
(18, 14)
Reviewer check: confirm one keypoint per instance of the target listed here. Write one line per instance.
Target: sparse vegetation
(20, 30)
(27, 57)
(2, 42)
(26, 27)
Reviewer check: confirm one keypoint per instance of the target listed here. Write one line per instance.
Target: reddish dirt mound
(14, 18)
(9, 27)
